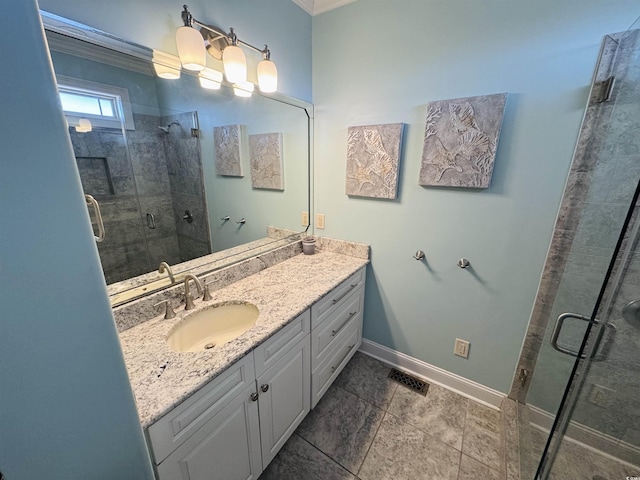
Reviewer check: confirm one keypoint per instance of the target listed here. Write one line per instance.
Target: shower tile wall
(148, 157)
(106, 173)
(164, 174)
(185, 174)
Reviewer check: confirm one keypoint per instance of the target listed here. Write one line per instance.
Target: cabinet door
(284, 391)
(227, 447)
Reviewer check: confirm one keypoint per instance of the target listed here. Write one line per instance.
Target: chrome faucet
(187, 293)
(164, 267)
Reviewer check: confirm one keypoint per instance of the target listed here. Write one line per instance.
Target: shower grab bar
(558, 327)
(94, 203)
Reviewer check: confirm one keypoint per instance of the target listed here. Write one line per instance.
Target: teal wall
(281, 24)
(66, 407)
(376, 61)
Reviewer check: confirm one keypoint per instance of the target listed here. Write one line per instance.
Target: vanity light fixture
(210, 79)
(166, 66)
(84, 125)
(244, 89)
(191, 49)
(223, 46)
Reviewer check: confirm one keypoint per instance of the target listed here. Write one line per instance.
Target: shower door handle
(562, 349)
(94, 203)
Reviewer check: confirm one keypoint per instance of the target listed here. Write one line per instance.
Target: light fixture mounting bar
(264, 51)
(187, 17)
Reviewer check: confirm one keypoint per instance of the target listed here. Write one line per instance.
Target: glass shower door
(596, 434)
(588, 363)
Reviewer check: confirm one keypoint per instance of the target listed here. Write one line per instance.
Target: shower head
(166, 129)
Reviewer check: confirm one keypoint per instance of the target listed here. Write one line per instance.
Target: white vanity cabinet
(234, 426)
(282, 371)
(336, 332)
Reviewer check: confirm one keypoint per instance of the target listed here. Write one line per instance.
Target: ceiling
(316, 7)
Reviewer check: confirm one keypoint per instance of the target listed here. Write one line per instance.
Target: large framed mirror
(185, 175)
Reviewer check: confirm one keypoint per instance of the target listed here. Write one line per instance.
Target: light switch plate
(320, 221)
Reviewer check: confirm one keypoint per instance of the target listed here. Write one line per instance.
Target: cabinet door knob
(254, 397)
(264, 387)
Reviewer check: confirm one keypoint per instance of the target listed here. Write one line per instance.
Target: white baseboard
(588, 438)
(432, 374)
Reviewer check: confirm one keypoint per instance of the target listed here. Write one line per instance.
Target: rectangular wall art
(460, 141)
(227, 140)
(373, 158)
(265, 152)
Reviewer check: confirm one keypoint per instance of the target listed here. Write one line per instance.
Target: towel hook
(419, 255)
(464, 263)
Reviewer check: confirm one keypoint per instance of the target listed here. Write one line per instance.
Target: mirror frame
(131, 289)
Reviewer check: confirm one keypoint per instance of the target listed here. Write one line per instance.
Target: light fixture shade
(84, 125)
(191, 49)
(166, 66)
(210, 79)
(244, 89)
(235, 64)
(267, 76)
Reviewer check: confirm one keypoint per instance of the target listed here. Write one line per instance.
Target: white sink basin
(213, 326)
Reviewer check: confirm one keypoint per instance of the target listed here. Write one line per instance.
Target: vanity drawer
(327, 335)
(324, 375)
(331, 302)
(277, 346)
(179, 424)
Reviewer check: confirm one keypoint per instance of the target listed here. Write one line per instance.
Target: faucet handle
(168, 310)
(207, 294)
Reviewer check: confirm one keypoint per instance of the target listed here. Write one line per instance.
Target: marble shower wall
(603, 177)
(184, 167)
(149, 160)
(108, 175)
(161, 176)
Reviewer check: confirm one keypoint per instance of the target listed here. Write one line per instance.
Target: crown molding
(316, 7)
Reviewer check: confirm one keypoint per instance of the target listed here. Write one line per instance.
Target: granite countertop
(162, 378)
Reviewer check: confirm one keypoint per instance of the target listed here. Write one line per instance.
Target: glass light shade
(235, 64)
(84, 125)
(191, 49)
(267, 76)
(244, 89)
(166, 66)
(210, 79)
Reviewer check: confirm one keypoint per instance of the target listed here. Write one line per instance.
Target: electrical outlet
(320, 221)
(304, 219)
(600, 395)
(461, 348)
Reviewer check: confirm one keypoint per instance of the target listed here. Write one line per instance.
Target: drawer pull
(333, 369)
(336, 300)
(254, 397)
(351, 314)
(265, 388)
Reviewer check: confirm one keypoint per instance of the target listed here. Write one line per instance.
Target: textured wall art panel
(373, 158)
(460, 141)
(265, 152)
(228, 144)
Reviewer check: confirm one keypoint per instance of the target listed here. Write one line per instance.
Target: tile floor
(367, 427)
(575, 461)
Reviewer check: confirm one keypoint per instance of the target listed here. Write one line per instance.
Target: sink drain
(209, 346)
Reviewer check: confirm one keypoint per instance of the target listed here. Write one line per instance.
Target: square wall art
(227, 140)
(460, 141)
(265, 152)
(373, 158)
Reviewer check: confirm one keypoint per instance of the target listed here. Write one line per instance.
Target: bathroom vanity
(227, 411)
